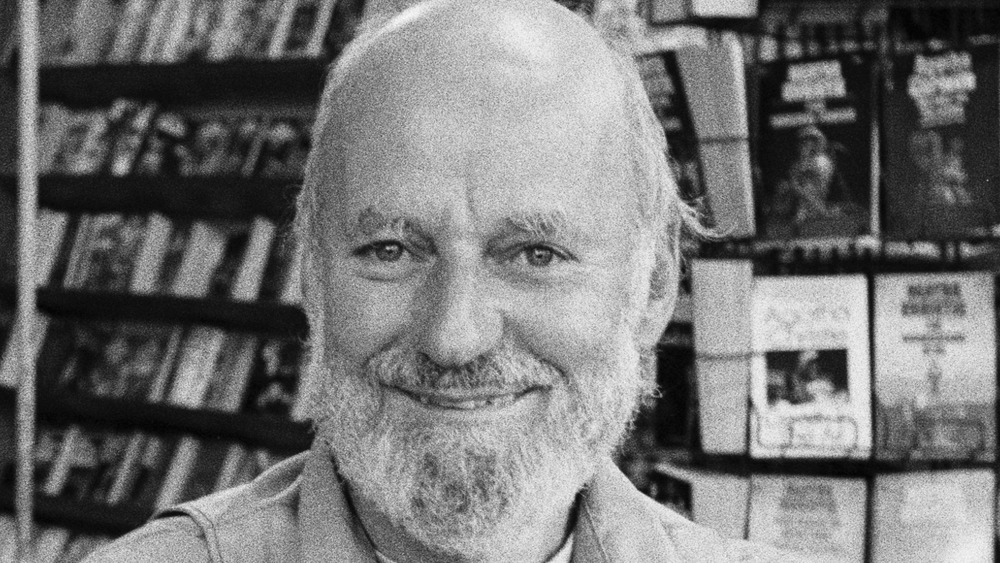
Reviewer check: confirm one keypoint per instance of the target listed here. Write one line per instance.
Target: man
(491, 240)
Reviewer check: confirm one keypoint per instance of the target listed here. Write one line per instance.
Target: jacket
(298, 511)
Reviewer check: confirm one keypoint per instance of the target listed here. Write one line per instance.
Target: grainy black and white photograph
(498, 281)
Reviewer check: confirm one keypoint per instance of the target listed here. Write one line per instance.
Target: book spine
(157, 29)
(129, 35)
(282, 28)
(314, 49)
(224, 37)
(179, 26)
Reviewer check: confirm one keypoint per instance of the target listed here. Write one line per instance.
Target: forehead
(489, 148)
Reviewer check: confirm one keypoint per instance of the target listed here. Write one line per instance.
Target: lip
(460, 400)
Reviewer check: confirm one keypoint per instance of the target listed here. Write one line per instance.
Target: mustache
(506, 367)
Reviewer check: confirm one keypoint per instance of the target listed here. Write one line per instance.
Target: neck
(533, 540)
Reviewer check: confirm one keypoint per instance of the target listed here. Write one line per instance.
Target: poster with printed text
(816, 145)
(822, 518)
(933, 517)
(942, 145)
(810, 385)
(935, 366)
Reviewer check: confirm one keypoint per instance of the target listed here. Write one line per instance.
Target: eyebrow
(544, 224)
(540, 223)
(372, 221)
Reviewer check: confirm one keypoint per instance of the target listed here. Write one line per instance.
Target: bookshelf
(282, 83)
(724, 483)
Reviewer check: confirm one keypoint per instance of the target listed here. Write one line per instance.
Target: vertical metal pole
(27, 204)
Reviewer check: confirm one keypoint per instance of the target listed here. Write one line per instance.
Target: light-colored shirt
(561, 556)
(299, 511)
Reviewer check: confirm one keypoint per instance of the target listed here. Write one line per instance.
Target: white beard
(452, 485)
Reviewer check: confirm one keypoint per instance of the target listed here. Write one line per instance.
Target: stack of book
(86, 32)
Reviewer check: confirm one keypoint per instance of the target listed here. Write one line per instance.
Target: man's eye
(540, 256)
(386, 251)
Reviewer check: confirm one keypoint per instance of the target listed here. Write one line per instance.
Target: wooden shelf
(205, 197)
(258, 430)
(743, 465)
(266, 319)
(185, 83)
(82, 516)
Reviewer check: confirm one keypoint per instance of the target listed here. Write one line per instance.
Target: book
(227, 37)
(719, 501)
(932, 516)
(816, 148)
(821, 518)
(92, 32)
(158, 30)
(935, 366)
(130, 33)
(129, 124)
(110, 251)
(180, 30)
(257, 24)
(715, 71)
(318, 34)
(54, 119)
(56, 24)
(82, 148)
(288, 12)
(279, 271)
(810, 377)
(285, 148)
(942, 148)
(662, 80)
(307, 29)
(166, 151)
(210, 145)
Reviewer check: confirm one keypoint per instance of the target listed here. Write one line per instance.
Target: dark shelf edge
(266, 319)
(744, 466)
(259, 430)
(188, 197)
(193, 82)
(80, 515)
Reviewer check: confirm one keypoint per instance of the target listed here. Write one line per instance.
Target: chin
(453, 487)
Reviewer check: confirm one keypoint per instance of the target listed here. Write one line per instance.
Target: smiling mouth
(467, 402)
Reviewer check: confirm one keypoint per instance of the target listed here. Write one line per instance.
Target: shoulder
(167, 540)
(700, 543)
(252, 515)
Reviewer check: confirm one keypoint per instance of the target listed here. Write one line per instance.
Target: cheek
(573, 329)
(363, 316)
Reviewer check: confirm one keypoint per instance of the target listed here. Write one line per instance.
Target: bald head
(460, 44)
(458, 65)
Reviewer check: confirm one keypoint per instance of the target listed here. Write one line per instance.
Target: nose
(458, 321)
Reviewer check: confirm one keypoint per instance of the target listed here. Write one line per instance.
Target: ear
(659, 307)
